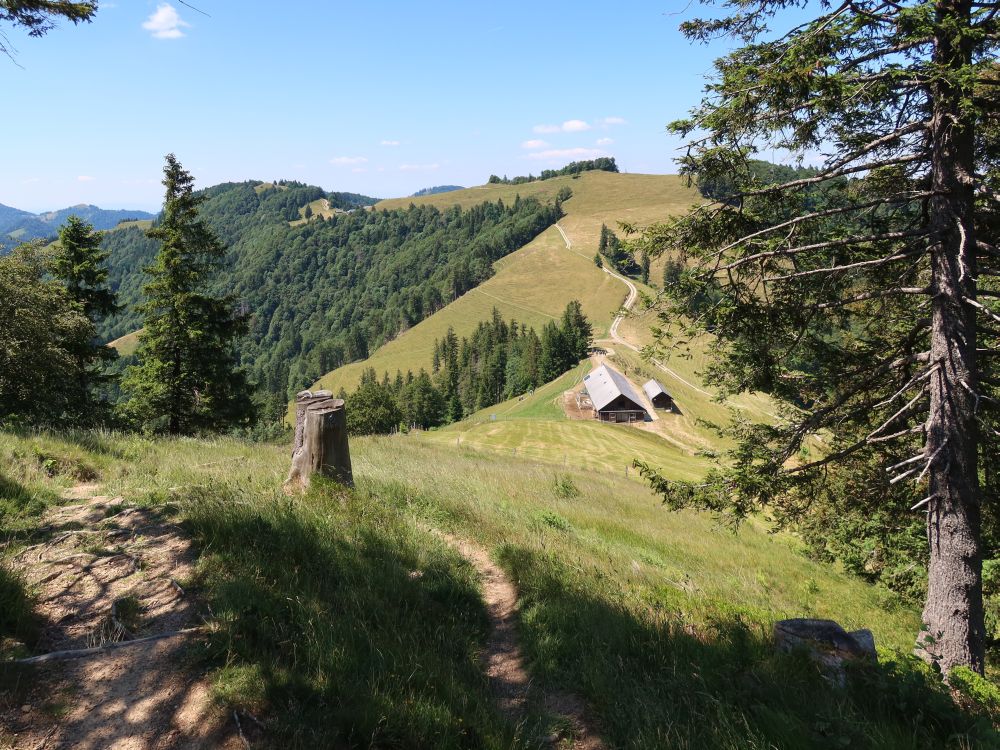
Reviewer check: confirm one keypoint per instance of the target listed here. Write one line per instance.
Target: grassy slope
(537, 429)
(531, 277)
(320, 207)
(126, 344)
(541, 278)
(535, 283)
(322, 626)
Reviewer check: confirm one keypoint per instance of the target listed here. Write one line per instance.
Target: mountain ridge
(18, 225)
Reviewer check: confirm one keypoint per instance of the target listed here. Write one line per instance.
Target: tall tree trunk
(953, 624)
(174, 424)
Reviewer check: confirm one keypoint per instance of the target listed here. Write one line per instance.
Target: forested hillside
(325, 292)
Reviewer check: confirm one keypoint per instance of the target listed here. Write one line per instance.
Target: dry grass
(127, 344)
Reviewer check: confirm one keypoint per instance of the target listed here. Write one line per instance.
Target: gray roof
(654, 388)
(605, 385)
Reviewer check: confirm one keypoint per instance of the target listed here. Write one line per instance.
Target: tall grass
(347, 624)
(343, 623)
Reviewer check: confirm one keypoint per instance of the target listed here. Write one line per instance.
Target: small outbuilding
(613, 396)
(658, 395)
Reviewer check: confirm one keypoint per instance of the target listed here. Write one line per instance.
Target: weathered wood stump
(320, 445)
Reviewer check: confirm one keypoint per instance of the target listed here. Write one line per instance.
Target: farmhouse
(613, 397)
(658, 395)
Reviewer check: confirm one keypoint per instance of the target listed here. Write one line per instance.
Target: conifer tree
(554, 353)
(862, 296)
(79, 263)
(187, 378)
(577, 332)
(39, 17)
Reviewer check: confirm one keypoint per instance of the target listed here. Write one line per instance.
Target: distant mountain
(436, 189)
(9, 216)
(20, 226)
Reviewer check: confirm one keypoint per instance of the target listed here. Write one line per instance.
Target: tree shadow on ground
(657, 679)
(140, 697)
(343, 624)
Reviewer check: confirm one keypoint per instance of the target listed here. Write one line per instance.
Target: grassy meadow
(127, 344)
(344, 621)
(536, 428)
(532, 285)
(535, 283)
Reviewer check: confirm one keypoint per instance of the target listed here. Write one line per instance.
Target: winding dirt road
(627, 305)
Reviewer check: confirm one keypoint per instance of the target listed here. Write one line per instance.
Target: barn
(614, 398)
(658, 395)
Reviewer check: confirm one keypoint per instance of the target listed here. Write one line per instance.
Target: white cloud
(554, 154)
(570, 126)
(85, 178)
(418, 167)
(534, 143)
(613, 121)
(343, 161)
(165, 22)
(389, 143)
(575, 126)
(605, 141)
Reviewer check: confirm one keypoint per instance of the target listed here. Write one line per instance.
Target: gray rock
(866, 639)
(828, 644)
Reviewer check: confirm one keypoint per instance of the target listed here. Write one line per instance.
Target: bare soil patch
(109, 574)
(571, 408)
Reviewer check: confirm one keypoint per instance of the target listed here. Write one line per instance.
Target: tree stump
(320, 445)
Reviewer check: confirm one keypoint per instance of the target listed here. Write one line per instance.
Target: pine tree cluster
(500, 360)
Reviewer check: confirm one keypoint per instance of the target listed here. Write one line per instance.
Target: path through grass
(347, 624)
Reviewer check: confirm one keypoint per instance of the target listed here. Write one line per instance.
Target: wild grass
(347, 623)
(343, 623)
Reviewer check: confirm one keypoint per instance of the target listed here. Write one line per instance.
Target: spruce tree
(577, 332)
(554, 352)
(80, 264)
(187, 378)
(864, 295)
(39, 17)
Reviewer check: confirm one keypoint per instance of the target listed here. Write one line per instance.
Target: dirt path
(503, 660)
(109, 586)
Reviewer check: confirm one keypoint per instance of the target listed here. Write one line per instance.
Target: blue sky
(381, 98)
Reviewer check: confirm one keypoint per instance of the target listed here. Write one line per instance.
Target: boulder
(828, 644)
